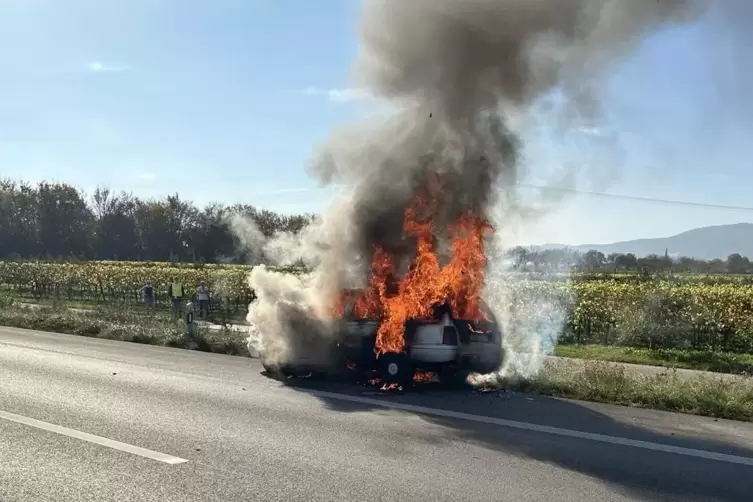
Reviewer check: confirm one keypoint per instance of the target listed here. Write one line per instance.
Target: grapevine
(658, 313)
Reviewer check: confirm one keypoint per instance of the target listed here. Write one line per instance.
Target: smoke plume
(457, 74)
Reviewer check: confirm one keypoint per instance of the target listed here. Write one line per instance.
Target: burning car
(421, 308)
(440, 343)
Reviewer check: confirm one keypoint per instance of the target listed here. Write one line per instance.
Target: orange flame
(423, 376)
(427, 283)
(390, 387)
(370, 302)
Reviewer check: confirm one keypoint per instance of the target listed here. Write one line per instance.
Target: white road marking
(109, 443)
(601, 438)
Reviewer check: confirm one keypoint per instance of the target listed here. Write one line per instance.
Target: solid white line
(601, 438)
(115, 445)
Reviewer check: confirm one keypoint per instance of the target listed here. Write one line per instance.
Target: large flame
(457, 283)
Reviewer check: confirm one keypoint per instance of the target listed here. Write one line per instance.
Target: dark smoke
(456, 71)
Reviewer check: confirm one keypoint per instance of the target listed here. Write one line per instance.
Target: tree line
(59, 221)
(593, 261)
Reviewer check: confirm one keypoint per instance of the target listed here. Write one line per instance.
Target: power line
(641, 199)
(291, 191)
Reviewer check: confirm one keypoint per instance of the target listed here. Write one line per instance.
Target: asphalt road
(96, 420)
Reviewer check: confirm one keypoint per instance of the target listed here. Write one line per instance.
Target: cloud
(99, 67)
(339, 95)
(148, 177)
(591, 131)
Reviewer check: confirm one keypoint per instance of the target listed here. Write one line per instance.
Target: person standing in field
(177, 292)
(202, 293)
(148, 292)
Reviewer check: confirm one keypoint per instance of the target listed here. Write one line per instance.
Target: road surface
(97, 420)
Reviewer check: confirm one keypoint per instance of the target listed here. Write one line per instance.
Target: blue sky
(224, 101)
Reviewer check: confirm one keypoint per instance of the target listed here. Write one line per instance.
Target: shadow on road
(635, 471)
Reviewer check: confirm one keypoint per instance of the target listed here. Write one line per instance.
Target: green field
(702, 360)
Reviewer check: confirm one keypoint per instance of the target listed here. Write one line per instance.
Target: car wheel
(452, 377)
(396, 368)
(447, 375)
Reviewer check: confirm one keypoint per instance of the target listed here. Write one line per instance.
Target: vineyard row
(638, 313)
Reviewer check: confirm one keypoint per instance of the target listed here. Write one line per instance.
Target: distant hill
(705, 243)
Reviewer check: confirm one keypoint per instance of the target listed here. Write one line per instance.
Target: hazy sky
(224, 99)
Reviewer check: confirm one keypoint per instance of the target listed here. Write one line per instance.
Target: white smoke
(530, 318)
(290, 319)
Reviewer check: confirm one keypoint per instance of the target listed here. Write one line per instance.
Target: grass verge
(125, 325)
(724, 396)
(217, 314)
(701, 360)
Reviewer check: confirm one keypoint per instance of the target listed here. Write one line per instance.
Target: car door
(481, 343)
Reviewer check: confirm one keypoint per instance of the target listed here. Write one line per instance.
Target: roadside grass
(125, 325)
(701, 360)
(724, 396)
(137, 308)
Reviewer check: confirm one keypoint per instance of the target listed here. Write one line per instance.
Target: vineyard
(110, 281)
(695, 312)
